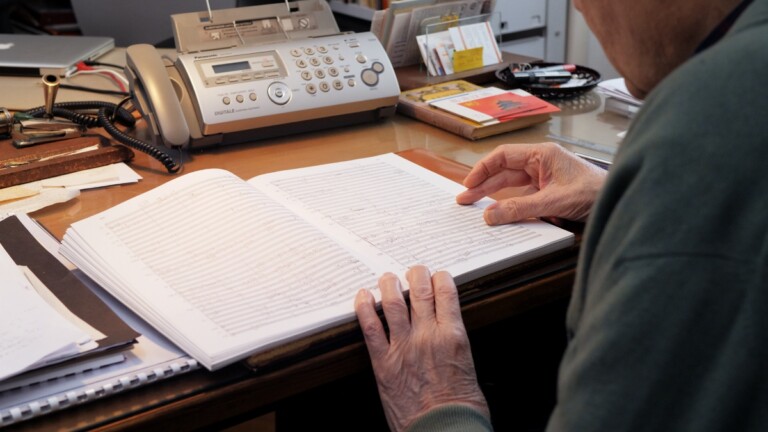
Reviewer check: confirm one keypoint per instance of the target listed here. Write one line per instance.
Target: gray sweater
(668, 322)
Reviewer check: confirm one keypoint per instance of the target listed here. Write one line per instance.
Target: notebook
(38, 55)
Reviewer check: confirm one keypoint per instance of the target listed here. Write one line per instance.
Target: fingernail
(490, 214)
(361, 296)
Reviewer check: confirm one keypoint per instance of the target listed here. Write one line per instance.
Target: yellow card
(467, 59)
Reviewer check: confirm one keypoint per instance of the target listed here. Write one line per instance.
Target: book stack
(472, 111)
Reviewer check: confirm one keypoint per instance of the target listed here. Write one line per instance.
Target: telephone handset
(155, 97)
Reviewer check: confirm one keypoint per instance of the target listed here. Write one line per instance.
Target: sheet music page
(226, 268)
(221, 262)
(386, 206)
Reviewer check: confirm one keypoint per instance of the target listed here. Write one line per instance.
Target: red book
(509, 105)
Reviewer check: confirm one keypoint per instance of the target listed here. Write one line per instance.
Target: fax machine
(256, 72)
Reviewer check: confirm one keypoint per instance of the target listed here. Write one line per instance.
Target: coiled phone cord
(108, 114)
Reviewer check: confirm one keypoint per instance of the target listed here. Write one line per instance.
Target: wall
(136, 21)
(583, 48)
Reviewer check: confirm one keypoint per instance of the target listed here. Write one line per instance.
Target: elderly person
(668, 321)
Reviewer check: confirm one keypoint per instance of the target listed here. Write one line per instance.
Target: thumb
(514, 209)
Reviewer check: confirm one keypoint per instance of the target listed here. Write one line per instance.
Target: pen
(542, 77)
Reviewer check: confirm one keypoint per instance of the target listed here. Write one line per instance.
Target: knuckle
(445, 289)
(370, 329)
(422, 291)
(511, 210)
(394, 305)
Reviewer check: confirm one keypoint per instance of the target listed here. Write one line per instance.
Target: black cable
(93, 90)
(108, 114)
(67, 111)
(164, 158)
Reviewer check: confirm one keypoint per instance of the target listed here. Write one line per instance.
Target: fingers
(373, 330)
(493, 184)
(502, 158)
(447, 309)
(421, 294)
(516, 209)
(393, 304)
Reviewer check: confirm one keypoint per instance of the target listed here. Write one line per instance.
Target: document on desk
(55, 387)
(32, 332)
(152, 359)
(226, 268)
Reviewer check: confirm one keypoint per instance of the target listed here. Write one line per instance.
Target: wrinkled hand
(427, 360)
(565, 186)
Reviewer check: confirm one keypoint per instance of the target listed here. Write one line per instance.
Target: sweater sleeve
(452, 418)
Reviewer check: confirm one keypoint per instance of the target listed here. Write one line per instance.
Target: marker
(542, 77)
(563, 67)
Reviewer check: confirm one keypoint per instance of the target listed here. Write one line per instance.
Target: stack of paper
(618, 99)
(47, 316)
(34, 331)
(29, 197)
(96, 373)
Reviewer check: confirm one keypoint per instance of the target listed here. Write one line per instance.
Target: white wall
(583, 48)
(135, 21)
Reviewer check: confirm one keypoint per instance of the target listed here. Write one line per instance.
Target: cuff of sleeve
(459, 418)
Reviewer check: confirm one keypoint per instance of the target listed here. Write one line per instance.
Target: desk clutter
(472, 111)
(411, 30)
(550, 80)
(64, 342)
(166, 282)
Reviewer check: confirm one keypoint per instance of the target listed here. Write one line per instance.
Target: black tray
(549, 91)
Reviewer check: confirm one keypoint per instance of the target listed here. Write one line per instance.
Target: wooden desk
(203, 399)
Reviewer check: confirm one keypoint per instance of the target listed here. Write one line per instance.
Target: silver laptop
(28, 54)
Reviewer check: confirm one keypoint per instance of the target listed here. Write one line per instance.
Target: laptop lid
(38, 55)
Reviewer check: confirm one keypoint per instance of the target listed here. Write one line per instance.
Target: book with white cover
(226, 268)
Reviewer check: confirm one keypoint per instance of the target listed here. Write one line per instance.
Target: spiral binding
(102, 389)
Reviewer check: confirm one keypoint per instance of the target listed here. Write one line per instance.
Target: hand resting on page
(564, 185)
